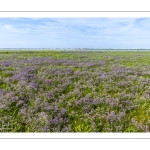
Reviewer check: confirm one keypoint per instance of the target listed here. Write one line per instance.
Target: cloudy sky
(75, 33)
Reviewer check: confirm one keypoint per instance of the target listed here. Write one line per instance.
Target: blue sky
(124, 33)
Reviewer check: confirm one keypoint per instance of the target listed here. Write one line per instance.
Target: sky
(97, 33)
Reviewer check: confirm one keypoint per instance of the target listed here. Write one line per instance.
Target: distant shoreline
(67, 49)
(75, 50)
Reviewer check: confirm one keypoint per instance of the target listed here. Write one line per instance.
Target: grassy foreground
(48, 91)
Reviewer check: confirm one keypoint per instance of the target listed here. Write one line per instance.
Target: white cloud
(7, 26)
(75, 32)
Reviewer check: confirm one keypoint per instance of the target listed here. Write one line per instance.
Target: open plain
(74, 91)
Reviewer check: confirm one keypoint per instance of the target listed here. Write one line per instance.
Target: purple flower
(49, 82)
(3, 91)
(95, 102)
(63, 111)
(54, 121)
(51, 95)
(45, 129)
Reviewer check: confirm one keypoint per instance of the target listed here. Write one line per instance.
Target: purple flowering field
(49, 91)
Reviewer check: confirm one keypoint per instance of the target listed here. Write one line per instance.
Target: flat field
(49, 91)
